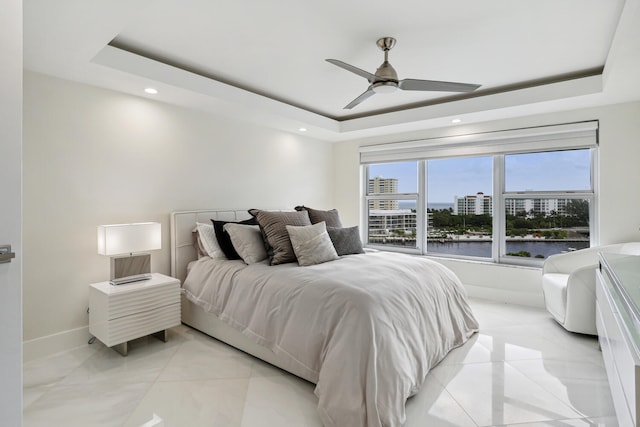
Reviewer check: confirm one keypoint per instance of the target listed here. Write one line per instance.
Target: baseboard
(55, 343)
(530, 299)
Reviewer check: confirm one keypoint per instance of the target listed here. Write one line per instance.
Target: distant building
(515, 206)
(542, 206)
(384, 221)
(482, 204)
(478, 204)
(379, 185)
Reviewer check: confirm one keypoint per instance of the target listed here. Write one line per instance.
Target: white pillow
(312, 244)
(209, 241)
(247, 241)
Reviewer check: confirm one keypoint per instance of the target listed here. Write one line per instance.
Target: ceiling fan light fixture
(385, 79)
(384, 87)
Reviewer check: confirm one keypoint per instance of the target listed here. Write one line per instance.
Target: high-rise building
(478, 204)
(379, 185)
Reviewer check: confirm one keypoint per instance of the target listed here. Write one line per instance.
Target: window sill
(434, 257)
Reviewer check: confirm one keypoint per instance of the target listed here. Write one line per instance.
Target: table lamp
(124, 242)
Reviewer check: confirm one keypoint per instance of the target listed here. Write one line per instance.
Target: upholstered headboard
(182, 225)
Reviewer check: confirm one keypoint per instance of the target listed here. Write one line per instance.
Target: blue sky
(559, 170)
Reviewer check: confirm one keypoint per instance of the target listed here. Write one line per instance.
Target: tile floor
(522, 369)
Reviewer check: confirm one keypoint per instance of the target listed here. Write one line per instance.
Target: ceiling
(265, 61)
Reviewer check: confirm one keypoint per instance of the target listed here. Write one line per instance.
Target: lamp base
(130, 279)
(130, 265)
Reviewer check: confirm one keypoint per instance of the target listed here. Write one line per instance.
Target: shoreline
(482, 239)
(508, 239)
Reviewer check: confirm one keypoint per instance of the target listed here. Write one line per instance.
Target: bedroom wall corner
(347, 181)
(94, 156)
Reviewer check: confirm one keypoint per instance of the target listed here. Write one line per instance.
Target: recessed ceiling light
(456, 121)
(151, 90)
(302, 129)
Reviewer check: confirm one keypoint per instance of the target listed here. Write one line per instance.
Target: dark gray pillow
(330, 217)
(274, 230)
(346, 240)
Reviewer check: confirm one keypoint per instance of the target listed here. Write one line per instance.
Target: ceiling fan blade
(436, 86)
(355, 70)
(359, 99)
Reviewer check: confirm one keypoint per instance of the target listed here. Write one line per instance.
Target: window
(513, 196)
(547, 200)
(460, 206)
(392, 204)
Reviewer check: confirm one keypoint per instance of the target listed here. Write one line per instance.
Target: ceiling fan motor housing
(386, 72)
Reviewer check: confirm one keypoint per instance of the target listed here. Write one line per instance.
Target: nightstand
(118, 314)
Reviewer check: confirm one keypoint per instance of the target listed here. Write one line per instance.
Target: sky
(447, 178)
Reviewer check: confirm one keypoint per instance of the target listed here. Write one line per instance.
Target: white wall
(10, 212)
(619, 203)
(93, 156)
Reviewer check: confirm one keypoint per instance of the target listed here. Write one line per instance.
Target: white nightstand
(118, 314)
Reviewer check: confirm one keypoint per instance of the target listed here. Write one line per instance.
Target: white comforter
(366, 328)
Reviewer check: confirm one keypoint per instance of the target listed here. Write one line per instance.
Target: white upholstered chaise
(568, 284)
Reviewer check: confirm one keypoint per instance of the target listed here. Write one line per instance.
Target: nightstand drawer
(124, 304)
(109, 302)
(136, 325)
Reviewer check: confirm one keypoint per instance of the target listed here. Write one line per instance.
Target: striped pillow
(274, 230)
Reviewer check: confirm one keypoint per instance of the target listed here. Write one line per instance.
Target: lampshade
(119, 239)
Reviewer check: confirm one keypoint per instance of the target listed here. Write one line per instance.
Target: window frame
(590, 195)
(455, 256)
(544, 140)
(420, 213)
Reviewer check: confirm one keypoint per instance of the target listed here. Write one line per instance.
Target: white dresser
(118, 314)
(618, 325)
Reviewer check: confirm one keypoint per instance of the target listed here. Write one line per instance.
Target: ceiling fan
(385, 80)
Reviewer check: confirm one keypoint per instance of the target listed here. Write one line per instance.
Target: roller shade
(543, 138)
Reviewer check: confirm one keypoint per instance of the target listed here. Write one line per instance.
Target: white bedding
(366, 328)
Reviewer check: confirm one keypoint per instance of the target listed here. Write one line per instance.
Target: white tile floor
(522, 369)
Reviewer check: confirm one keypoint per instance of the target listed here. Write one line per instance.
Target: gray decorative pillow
(312, 244)
(346, 240)
(247, 241)
(330, 217)
(274, 230)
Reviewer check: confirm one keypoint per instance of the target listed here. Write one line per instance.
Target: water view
(483, 249)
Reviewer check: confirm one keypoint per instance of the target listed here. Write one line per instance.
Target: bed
(364, 328)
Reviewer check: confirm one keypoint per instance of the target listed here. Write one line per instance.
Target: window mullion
(364, 209)
(594, 229)
(421, 208)
(548, 195)
(393, 196)
(499, 218)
